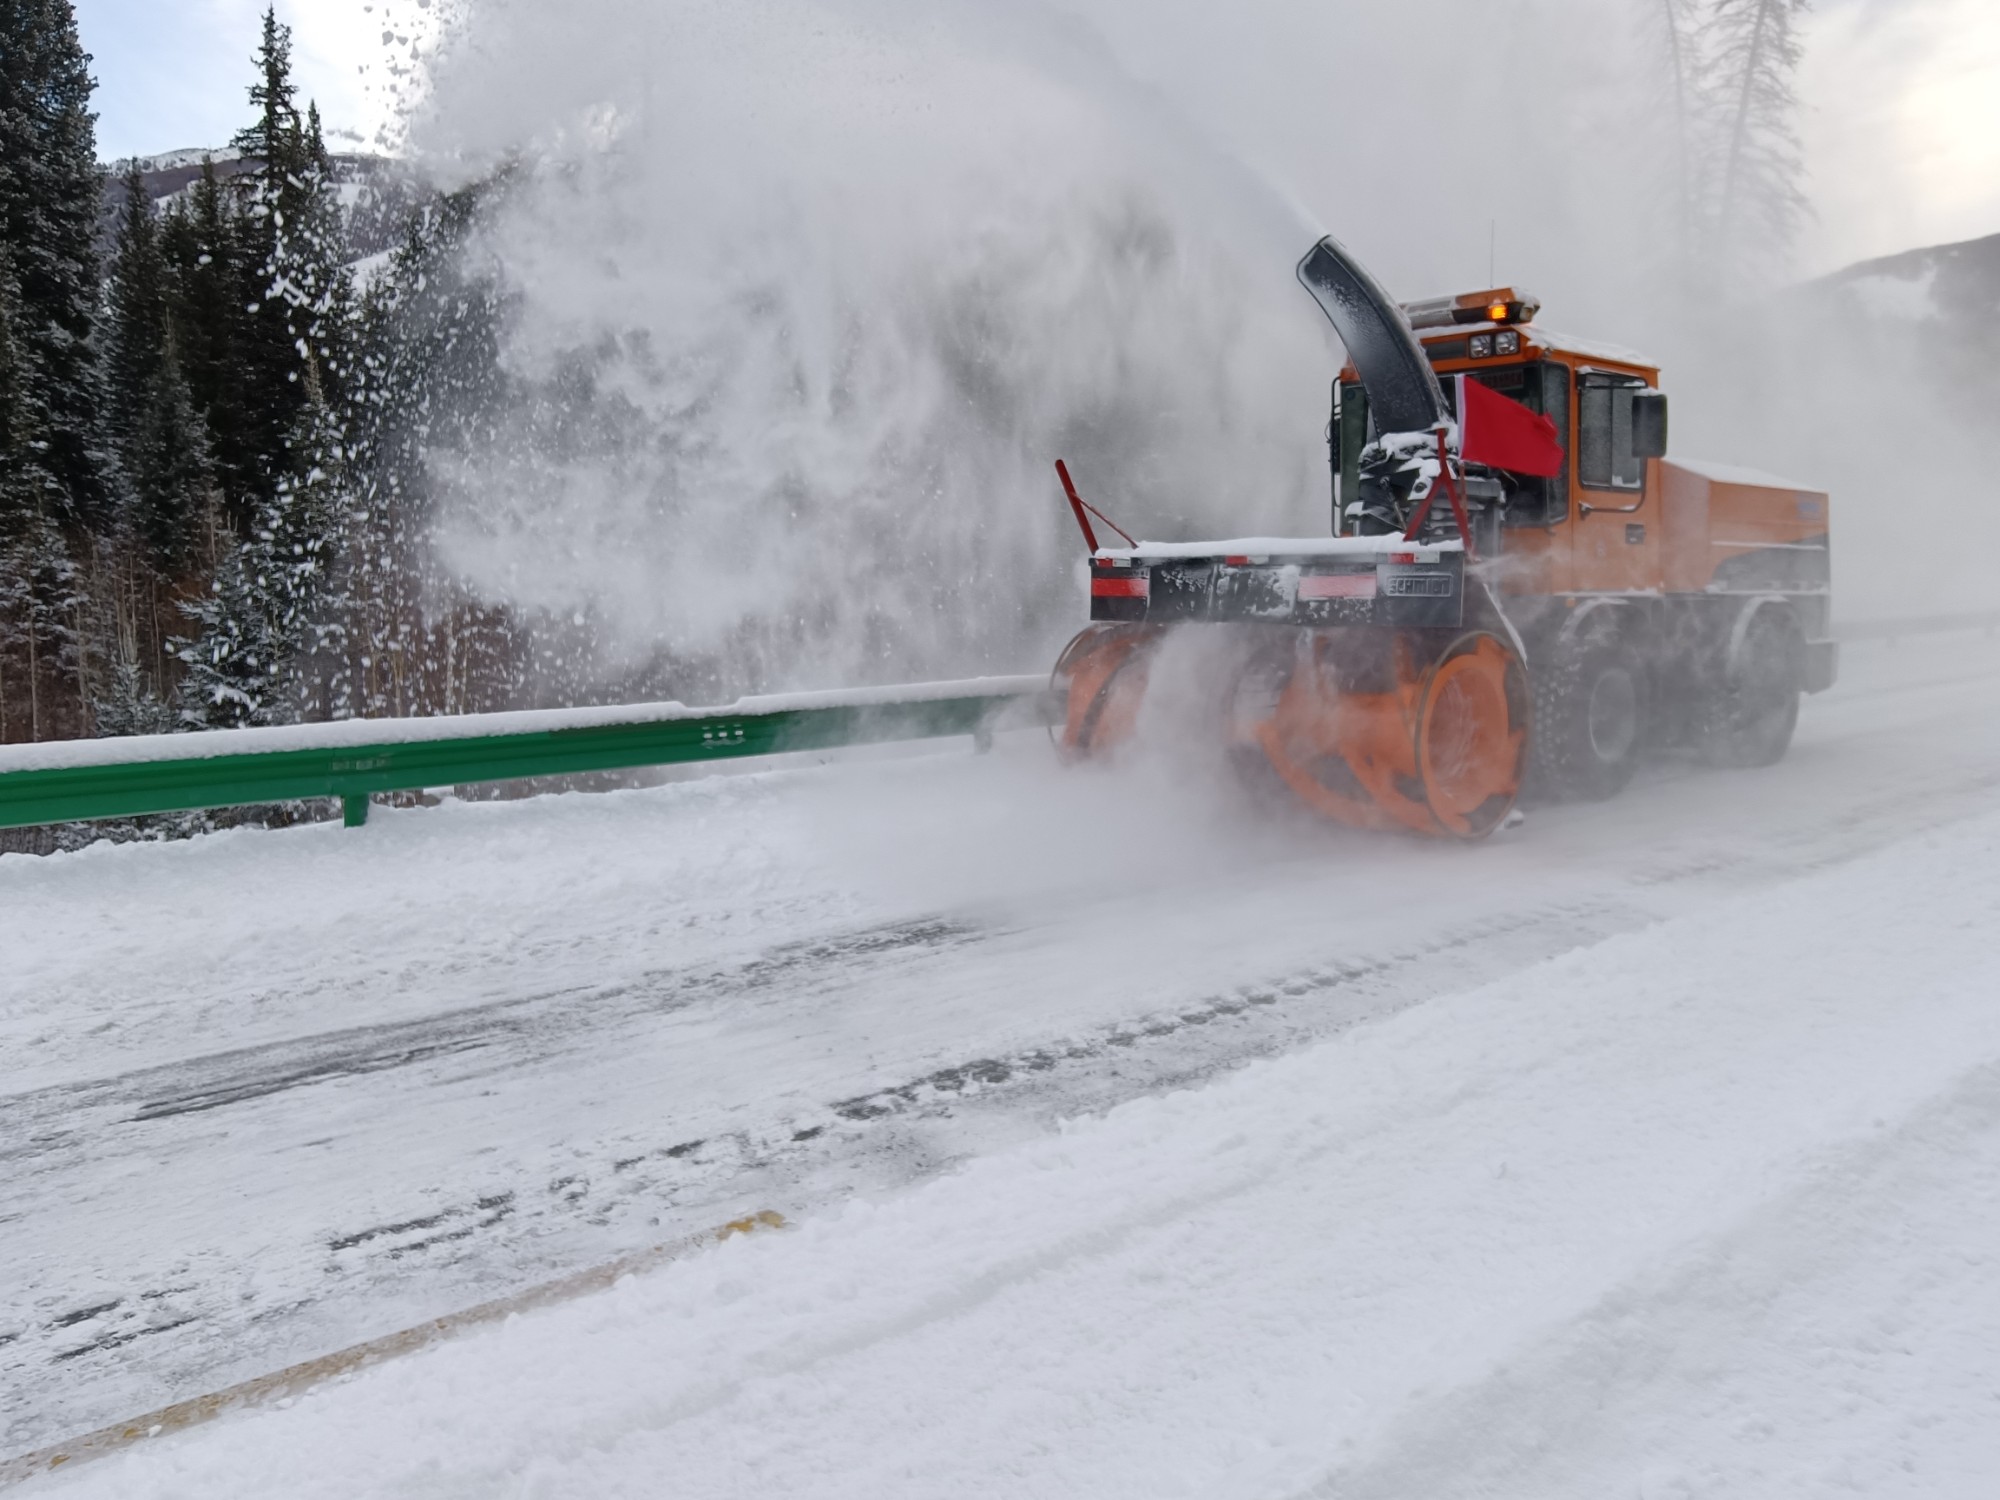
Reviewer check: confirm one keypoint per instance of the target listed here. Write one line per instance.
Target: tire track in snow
(544, 1021)
(886, 1139)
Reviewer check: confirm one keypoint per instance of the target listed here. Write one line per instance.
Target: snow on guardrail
(348, 734)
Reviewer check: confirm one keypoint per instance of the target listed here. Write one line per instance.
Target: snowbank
(1710, 1209)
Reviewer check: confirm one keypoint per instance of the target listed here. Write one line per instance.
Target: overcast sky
(1901, 120)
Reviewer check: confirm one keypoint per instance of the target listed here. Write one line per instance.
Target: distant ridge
(1958, 282)
(170, 173)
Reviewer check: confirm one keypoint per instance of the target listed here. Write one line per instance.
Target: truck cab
(1595, 527)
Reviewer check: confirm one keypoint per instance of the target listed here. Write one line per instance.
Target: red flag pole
(1452, 493)
(1078, 504)
(1452, 497)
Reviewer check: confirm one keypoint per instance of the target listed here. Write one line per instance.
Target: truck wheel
(1590, 722)
(1754, 709)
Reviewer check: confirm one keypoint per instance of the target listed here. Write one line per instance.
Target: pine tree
(41, 608)
(20, 474)
(49, 204)
(129, 705)
(1754, 49)
(1678, 42)
(204, 249)
(22, 481)
(41, 597)
(310, 271)
(272, 138)
(170, 469)
(161, 446)
(234, 665)
(298, 535)
(138, 302)
(280, 194)
(291, 355)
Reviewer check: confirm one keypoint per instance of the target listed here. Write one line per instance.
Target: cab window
(1605, 459)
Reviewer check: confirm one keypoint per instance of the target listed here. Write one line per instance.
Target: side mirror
(1649, 424)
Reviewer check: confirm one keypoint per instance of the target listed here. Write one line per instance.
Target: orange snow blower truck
(1519, 586)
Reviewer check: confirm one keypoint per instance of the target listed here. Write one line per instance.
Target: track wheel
(1101, 676)
(1590, 721)
(1472, 735)
(1755, 708)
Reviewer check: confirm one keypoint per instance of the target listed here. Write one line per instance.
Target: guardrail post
(354, 809)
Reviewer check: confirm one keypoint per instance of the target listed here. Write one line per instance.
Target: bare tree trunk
(1670, 11)
(34, 682)
(80, 629)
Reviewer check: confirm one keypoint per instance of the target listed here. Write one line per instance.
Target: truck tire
(1590, 721)
(1754, 707)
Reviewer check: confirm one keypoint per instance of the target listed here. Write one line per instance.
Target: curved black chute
(1403, 393)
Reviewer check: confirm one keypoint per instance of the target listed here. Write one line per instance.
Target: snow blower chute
(1494, 600)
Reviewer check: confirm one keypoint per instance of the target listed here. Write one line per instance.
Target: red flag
(1494, 430)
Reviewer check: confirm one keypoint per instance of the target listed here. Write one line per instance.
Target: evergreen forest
(213, 413)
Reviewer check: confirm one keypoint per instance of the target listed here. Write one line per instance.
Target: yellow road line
(303, 1377)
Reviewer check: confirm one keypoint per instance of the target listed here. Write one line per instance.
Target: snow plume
(806, 300)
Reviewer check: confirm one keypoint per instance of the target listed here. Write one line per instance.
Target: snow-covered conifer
(161, 443)
(235, 663)
(49, 203)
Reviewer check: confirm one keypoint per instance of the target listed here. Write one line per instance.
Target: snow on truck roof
(1282, 546)
(1737, 474)
(1549, 338)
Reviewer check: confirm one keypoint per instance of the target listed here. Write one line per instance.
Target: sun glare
(1901, 126)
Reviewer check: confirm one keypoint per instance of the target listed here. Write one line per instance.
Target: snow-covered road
(269, 1094)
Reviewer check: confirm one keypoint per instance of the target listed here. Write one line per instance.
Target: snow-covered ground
(1649, 1149)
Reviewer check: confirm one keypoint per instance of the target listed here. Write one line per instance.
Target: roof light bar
(1500, 304)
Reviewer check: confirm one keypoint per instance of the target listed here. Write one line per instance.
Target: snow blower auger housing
(1498, 604)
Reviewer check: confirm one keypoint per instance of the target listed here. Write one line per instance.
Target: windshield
(1543, 387)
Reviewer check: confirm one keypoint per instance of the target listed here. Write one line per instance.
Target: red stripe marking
(1118, 588)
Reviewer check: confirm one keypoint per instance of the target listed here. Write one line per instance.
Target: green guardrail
(353, 759)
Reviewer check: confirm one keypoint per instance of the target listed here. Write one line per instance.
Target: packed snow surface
(1136, 1146)
(1709, 1209)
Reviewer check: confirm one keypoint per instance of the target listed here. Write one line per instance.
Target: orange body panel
(1604, 555)
(1712, 518)
(1538, 561)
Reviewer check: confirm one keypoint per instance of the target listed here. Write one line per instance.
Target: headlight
(1482, 346)
(1507, 343)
